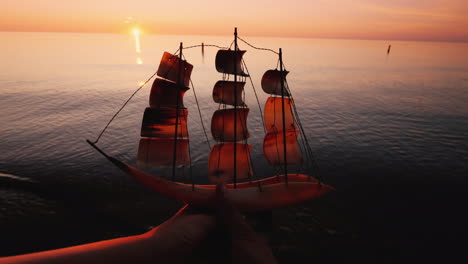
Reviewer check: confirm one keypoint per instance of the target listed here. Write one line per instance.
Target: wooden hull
(247, 197)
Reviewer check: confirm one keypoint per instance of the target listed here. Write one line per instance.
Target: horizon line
(250, 35)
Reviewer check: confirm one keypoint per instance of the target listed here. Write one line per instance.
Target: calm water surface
(386, 131)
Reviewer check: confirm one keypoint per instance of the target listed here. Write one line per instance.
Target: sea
(389, 131)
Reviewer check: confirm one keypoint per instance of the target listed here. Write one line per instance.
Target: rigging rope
(256, 96)
(204, 45)
(258, 47)
(276, 168)
(198, 105)
(259, 106)
(125, 104)
(309, 151)
(190, 157)
(200, 114)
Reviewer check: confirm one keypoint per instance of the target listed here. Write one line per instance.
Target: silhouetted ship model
(164, 138)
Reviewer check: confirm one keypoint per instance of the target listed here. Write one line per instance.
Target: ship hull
(260, 195)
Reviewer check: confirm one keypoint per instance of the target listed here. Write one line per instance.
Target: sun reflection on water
(136, 34)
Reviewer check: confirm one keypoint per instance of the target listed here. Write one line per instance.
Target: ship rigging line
(256, 96)
(200, 114)
(196, 100)
(123, 106)
(307, 148)
(261, 116)
(314, 163)
(257, 47)
(204, 45)
(278, 170)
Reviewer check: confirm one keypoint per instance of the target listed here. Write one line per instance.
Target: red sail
(226, 92)
(165, 93)
(274, 117)
(222, 125)
(271, 82)
(160, 122)
(273, 148)
(221, 163)
(228, 62)
(160, 152)
(170, 69)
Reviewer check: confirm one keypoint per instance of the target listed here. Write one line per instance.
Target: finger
(185, 210)
(189, 226)
(220, 192)
(185, 223)
(246, 246)
(228, 215)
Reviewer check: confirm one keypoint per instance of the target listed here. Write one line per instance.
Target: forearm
(171, 242)
(133, 249)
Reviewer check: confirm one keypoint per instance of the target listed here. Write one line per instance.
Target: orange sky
(440, 20)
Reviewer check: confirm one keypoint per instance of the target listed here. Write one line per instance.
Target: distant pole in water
(389, 48)
(203, 51)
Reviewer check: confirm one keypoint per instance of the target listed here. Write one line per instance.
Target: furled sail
(175, 69)
(271, 82)
(164, 125)
(273, 148)
(230, 62)
(229, 160)
(222, 124)
(221, 162)
(228, 92)
(280, 145)
(274, 116)
(156, 152)
(166, 93)
(161, 122)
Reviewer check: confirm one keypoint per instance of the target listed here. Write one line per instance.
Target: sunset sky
(439, 20)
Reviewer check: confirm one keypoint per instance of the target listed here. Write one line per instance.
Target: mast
(284, 119)
(179, 81)
(280, 146)
(164, 136)
(229, 160)
(235, 108)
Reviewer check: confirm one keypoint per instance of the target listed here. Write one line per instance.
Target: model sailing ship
(165, 142)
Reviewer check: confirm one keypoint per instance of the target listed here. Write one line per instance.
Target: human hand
(178, 239)
(222, 237)
(189, 236)
(246, 246)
